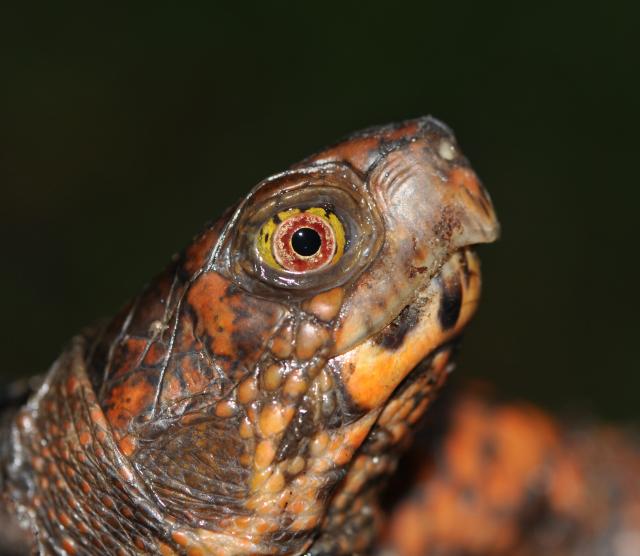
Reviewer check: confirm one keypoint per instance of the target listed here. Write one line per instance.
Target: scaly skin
(235, 408)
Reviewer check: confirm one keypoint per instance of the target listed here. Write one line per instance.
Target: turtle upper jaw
(434, 315)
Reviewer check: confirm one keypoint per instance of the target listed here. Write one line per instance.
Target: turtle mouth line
(450, 290)
(434, 315)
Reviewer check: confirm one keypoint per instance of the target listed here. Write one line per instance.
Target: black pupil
(306, 242)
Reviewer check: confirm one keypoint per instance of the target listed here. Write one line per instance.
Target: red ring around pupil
(286, 255)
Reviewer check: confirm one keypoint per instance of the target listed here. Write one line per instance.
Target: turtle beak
(432, 205)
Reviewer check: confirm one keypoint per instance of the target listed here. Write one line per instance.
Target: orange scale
(343, 455)
(418, 412)
(252, 414)
(357, 433)
(172, 388)
(389, 412)
(226, 409)
(283, 498)
(265, 452)
(166, 550)
(180, 538)
(128, 358)
(326, 305)
(262, 526)
(298, 506)
(246, 429)
(398, 432)
(275, 483)
(247, 391)
(127, 445)
(296, 465)
(259, 478)
(84, 437)
(155, 354)
(339, 502)
(405, 410)
(282, 347)
(72, 384)
(295, 385)
(336, 442)
(97, 416)
(262, 504)
(69, 546)
(242, 522)
(302, 524)
(311, 522)
(82, 528)
(64, 519)
(321, 465)
(190, 418)
(358, 505)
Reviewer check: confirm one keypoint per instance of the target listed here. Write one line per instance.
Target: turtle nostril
(446, 150)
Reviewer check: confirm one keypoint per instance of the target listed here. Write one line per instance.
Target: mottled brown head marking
(250, 398)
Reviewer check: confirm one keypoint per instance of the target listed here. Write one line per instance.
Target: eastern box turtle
(255, 397)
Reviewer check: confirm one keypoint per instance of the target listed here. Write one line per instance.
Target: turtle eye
(301, 232)
(302, 240)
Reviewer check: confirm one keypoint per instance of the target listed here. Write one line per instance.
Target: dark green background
(122, 130)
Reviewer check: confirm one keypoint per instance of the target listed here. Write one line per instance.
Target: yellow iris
(268, 230)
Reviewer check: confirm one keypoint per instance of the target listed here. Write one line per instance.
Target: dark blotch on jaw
(450, 303)
(393, 335)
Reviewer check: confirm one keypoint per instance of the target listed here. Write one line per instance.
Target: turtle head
(245, 380)
(371, 241)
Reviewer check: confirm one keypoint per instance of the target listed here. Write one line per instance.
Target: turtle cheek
(372, 370)
(325, 305)
(234, 326)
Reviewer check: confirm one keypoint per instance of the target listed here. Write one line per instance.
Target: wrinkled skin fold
(235, 407)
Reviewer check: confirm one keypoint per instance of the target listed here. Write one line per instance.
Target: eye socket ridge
(331, 192)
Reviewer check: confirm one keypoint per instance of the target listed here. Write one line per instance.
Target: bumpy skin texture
(237, 408)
